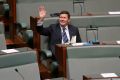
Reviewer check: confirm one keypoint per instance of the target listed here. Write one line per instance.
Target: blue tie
(64, 36)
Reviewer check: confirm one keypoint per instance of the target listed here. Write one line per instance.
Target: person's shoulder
(73, 26)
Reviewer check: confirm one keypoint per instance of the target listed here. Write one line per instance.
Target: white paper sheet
(9, 50)
(118, 42)
(73, 39)
(77, 44)
(108, 75)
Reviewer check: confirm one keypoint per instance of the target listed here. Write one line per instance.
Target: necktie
(64, 36)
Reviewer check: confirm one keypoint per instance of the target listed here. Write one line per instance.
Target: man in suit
(55, 31)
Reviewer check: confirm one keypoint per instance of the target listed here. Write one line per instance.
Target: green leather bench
(87, 21)
(2, 42)
(2, 37)
(92, 60)
(1, 27)
(19, 65)
(25, 33)
(23, 56)
(4, 9)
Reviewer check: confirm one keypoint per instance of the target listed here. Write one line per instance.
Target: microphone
(16, 70)
(54, 14)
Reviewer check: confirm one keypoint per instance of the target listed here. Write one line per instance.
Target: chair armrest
(21, 26)
(46, 54)
(46, 58)
(6, 10)
(52, 65)
(28, 37)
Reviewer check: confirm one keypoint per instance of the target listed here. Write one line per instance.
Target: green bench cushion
(16, 59)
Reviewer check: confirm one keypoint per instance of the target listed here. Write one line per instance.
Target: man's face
(64, 20)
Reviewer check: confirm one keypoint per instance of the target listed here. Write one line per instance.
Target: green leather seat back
(93, 51)
(2, 37)
(87, 21)
(4, 9)
(1, 27)
(2, 42)
(83, 60)
(19, 58)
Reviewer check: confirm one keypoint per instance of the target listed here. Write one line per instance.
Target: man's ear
(69, 21)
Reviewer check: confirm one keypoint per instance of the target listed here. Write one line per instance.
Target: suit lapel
(70, 31)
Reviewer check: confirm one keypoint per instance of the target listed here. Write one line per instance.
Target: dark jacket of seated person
(55, 31)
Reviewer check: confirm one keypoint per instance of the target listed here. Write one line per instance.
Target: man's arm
(42, 14)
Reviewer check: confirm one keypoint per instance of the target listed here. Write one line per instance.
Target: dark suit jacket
(54, 33)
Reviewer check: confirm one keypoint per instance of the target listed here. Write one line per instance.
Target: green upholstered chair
(40, 42)
(25, 33)
(98, 59)
(4, 9)
(2, 37)
(47, 57)
(2, 42)
(81, 3)
(19, 65)
(2, 27)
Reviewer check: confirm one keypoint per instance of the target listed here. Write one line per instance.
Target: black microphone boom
(16, 70)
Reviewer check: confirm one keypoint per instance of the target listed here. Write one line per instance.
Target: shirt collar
(66, 27)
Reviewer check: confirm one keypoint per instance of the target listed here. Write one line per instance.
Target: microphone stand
(16, 70)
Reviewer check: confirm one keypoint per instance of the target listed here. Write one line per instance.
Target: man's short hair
(65, 12)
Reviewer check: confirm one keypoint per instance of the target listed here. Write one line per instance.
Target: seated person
(59, 33)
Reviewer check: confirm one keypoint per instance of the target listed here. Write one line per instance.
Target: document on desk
(10, 51)
(109, 75)
(118, 42)
(77, 44)
(81, 44)
(73, 39)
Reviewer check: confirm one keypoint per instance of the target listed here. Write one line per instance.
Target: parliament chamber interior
(24, 52)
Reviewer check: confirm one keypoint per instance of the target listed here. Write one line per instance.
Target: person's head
(64, 18)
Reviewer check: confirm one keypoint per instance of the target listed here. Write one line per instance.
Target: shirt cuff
(39, 23)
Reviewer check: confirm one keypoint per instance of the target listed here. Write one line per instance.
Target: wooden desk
(61, 54)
